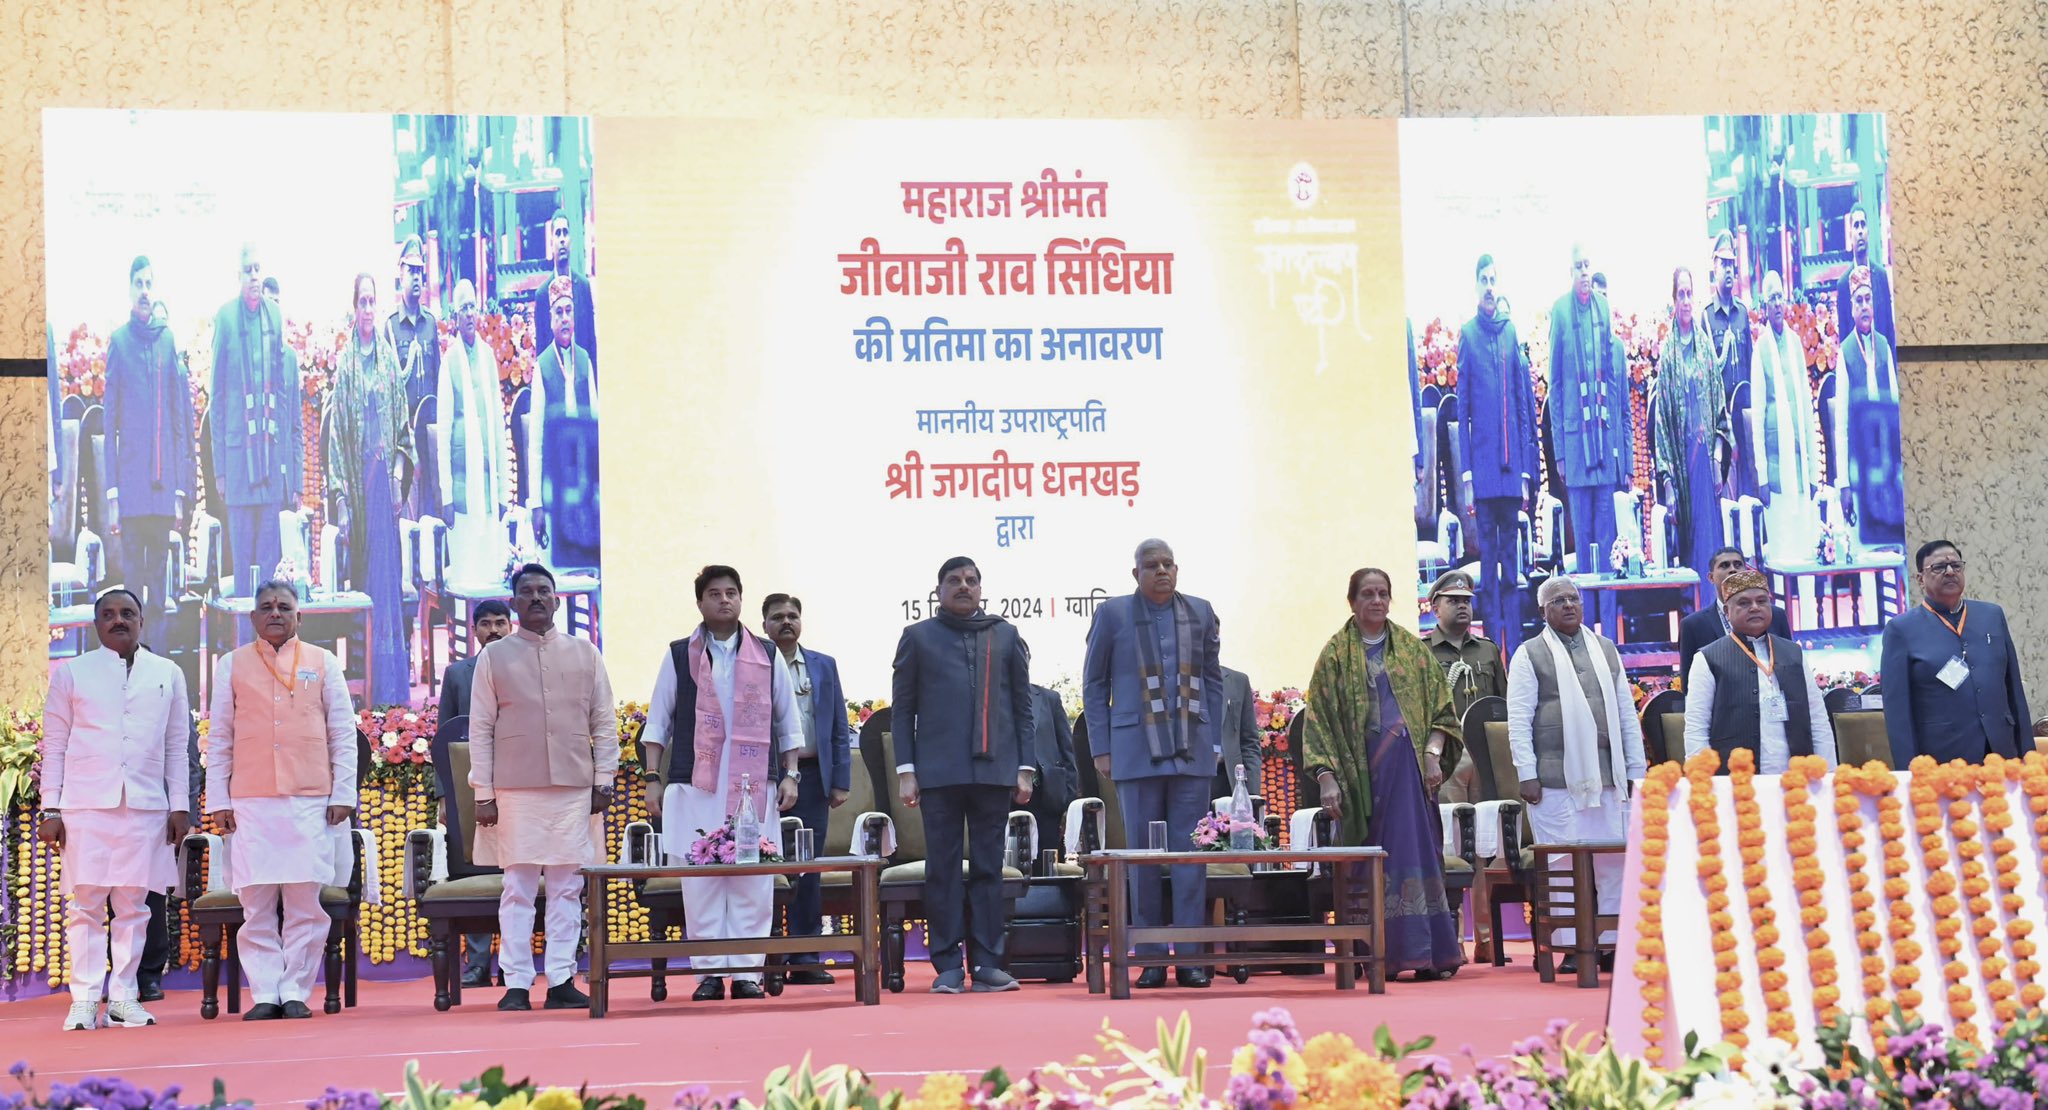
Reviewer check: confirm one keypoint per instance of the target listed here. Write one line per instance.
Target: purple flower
(19, 1069)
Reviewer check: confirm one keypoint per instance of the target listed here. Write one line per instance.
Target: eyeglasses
(1945, 568)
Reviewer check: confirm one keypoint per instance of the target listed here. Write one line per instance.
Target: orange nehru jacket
(280, 735)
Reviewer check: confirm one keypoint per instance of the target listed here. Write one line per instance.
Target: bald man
(474, 464)
(1781, 427)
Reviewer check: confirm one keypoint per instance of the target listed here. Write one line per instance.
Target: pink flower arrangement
(1212, 833)
(1275, 711)
(399, 736)
(720, 846)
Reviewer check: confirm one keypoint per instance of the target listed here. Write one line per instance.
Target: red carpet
(656, 1049)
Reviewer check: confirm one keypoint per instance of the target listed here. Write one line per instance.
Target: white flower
(412, 718)
(1769, 1060)
(420, 745)
(389, 739)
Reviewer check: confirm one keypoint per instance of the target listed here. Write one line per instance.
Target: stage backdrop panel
(1104, 331)
(212, 276)
(1725, 383)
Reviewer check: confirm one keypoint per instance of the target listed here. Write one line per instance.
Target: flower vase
(1635, 566)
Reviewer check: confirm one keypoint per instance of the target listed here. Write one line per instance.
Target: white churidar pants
(564, 923)
(86, 931)
(281, 960)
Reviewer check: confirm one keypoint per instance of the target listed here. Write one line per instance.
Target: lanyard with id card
(1957, 669)
(1768, 692)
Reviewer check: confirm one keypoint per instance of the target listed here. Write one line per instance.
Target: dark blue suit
(149, 452)
(1497, 412)
(258, 434)
(830, 771)
(1174, 790)
(1923, 716)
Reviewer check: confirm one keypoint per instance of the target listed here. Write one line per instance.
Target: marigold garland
(1851, 786)
(2034, 779)
(1650, 967)
(1699, 774)
(1809, 880)
(1930, 783)
(2002, 952)
(1770, 959)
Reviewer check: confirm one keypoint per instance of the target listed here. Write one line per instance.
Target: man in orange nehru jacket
(543, 747)
(281, 776)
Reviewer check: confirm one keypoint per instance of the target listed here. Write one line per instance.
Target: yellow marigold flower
(940, 1091)
(557, 1098)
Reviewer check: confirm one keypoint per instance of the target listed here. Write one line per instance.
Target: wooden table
(866, 937)
(1791, 578)
(1583, 917)
(1360, 916)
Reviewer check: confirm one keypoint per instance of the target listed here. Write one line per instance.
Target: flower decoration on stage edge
(1650, 967)
(2003, 947)
(858, 712)
(1212, 833)
(1810, 882)
(1770, 959)
(1929, 783)
(720, 845)
(1274, 712)
(1713, 878)
(401, 739)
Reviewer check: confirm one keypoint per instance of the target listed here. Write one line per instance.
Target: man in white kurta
(114, 783)
(543, 749)
(281, 778)
(1781, 416)
(473, 461)
(1575, 740)
(725, 699)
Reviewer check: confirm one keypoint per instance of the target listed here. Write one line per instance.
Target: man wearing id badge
(1752, 689)
(1951, 675)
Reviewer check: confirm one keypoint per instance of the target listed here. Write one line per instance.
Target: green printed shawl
(1343, 715)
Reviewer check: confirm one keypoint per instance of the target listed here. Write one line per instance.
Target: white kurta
(476, 544)
(283, 839)
(114, 761)
(1773, 750)
(542, 825)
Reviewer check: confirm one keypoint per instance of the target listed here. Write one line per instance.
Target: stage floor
(646, 1048)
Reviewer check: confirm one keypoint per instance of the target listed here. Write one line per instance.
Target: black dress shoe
(1152, 978)
(710, 990)
(264, 1011)
(1191, 976)
(747, 988)
(1607, 962)
(515, 999)
(297, 1009)
(1568, 966)
(565, 996)
(812, 977)
(480, 977)
(149, 990)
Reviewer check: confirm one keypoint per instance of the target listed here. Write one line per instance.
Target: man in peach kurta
(281, 777)
(543, 747)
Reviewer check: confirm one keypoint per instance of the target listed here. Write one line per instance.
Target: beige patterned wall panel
(1350, 58)
(1976, 463)
(24, 543)
(1965, 83)
(1057, 58)
(507, 57)
(380, 54)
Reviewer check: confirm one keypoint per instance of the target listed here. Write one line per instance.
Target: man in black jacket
(1242, 739)
(1704, 626)
(1059, 777)
(964, 734)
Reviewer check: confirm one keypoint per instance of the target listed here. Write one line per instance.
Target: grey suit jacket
(1113, 702)
(1241, 735)
(1986, 713)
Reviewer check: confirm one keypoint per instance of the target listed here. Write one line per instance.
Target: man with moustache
(1472, 663)
(1865, 255)
(1754, 690)
(253, 412)
(724, 714)
(562, 254)
(564, 387)
(281, 776)
(149, 455)
(1867, 382)
(1951, 672)
(1727, 327)
(543, 747)
(1703, 626)
(824, 762)
(1592, 429)
(489, 622)
(964, 730)
(1498, 414)
(114, 787)
(416, 337)
(1152, 693)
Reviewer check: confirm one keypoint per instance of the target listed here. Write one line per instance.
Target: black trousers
(954, 917)
(814, 809)
(156, 941)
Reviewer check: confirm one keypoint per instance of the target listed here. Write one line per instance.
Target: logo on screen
(1303, 186)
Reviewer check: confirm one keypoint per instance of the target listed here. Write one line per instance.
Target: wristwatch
(49, 813)
(795, 774)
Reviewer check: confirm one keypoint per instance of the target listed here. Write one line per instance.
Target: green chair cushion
(914, 872)
(467, 888)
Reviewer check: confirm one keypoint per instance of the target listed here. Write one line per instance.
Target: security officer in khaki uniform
(1472, 663)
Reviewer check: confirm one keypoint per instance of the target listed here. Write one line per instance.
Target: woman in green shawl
(1374, 689)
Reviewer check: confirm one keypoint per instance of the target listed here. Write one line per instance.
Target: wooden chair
(1505, 878)
(217, 912)
(462, 898)
(1664, 728)
(903, 881)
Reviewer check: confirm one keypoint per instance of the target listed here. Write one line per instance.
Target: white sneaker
(129, 1014)
(84, 1014)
